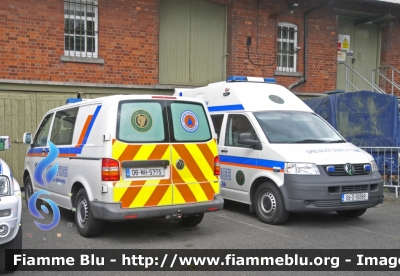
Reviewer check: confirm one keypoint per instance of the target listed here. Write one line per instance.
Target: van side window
(63, 126)
(42, 133)
(140, 121)
(237, 124)
(217, 122)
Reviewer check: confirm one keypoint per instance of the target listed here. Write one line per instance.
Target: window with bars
(80, 28)
(287, 47)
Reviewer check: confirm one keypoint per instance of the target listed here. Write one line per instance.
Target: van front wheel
(28, 189)
(269, 205)
(87, 225)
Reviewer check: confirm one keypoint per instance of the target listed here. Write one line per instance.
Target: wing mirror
(246, 139)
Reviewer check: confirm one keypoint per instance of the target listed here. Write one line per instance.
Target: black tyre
(192, 220)
(352, 213)
(269, 205)
(87, 225)
(28, 189)
(16, 244)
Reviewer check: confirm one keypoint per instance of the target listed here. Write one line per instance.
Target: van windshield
(296, 127)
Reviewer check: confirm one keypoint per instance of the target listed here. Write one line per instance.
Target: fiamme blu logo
(44, 173)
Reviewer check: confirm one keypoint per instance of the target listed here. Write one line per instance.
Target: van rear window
(189, 122)
(140, 121)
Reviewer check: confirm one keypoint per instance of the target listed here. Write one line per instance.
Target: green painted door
(192, 42)
(22, 112)
(364, 45)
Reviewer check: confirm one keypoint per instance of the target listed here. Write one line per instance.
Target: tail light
(109, 169)
(217, 168)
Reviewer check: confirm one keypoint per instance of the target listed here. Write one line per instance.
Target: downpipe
(296, 83)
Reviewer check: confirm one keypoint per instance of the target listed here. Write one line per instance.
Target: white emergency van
(126, 157)
(278, 156)
(10, 210)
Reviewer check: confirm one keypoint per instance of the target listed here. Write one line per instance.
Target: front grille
(338, 202)
(340, 171)
(359, 188)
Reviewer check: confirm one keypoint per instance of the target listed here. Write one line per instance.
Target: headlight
(301, 168)
(374, 167)
(4, 186)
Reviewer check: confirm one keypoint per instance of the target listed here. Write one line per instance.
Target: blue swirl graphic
(46, 169)
(35, 212)
(44, 174)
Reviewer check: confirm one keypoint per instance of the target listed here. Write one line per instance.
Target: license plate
(354, 197)
(141, 172)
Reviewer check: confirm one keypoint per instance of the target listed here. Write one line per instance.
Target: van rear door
(143, 149)
(193, 153)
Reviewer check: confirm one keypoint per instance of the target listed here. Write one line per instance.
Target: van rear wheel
(352, 213)
(269, 205)
(192, 220)
(87, 225)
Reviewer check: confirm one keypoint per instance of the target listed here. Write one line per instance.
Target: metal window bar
(375, 87)
(79, 32)
(286, 55)
(387, 160)
(380, 74)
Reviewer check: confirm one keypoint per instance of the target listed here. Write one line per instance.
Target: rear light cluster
(217, 168)
(109, 170)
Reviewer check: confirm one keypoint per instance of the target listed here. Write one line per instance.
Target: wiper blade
(310, 141)
(337, 141)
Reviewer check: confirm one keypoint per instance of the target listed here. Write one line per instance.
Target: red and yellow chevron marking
(196, 182)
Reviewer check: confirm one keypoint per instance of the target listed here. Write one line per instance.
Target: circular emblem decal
(240, 178)
(189, 121)
(180, 164)
(276, 99)
(349, 168)
(141, 120)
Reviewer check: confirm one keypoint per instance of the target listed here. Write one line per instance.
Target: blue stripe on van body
(252, 162)
(225, 107)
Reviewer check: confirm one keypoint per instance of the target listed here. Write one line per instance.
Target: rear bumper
(114, 212)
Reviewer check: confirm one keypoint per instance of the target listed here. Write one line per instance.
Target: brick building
(54, 49)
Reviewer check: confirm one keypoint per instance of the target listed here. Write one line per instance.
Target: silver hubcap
(268, 203)
(82, 212)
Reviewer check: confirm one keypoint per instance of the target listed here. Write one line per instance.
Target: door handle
(224, 150)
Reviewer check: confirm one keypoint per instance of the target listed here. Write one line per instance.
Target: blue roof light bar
(249, 79)
(270, 80)
(236, 78)
(73, 100)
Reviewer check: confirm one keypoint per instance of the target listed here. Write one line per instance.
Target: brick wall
(32, 41)
(390, 55)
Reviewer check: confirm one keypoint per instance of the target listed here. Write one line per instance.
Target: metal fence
(387, 160)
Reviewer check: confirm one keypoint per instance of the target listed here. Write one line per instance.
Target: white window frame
(95, 19)
(288, 53)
